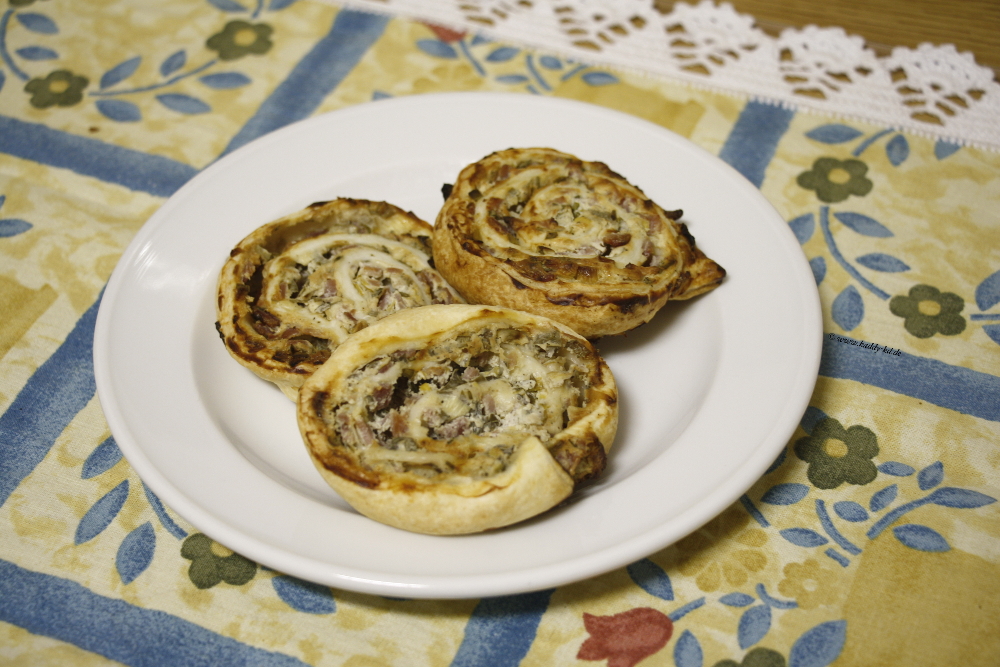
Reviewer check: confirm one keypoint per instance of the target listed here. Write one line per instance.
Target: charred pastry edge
(573, 457)
(592, 309)
(238, 318)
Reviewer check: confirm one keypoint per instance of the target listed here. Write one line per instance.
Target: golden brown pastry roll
(456, 419)
(294, 289)
(543, 231)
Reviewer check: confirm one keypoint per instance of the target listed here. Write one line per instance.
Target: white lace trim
(932, 90)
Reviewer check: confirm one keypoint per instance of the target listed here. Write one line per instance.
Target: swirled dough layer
(542, 231)
(296, 288)
(453, 419)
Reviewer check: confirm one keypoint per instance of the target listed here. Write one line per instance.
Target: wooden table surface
(971, 25)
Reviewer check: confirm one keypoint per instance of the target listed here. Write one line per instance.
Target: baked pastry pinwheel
(294, 289)
(542, 231)
(453, 419)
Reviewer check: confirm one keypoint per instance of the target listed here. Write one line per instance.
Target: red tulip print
(626, 638)
(446, 35)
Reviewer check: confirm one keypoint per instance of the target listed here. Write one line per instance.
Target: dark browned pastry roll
(456, 419)
(294, 289)
(545, 232)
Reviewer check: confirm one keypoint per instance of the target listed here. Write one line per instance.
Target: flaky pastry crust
(539, 230)
(295, 288)
(452, 419)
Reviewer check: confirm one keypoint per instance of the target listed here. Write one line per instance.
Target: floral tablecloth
(874, 539)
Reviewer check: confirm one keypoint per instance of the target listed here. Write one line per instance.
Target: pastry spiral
(454, 419)
(542, 231)
(296, 288)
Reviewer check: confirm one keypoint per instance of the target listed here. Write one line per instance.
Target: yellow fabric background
(903, 606)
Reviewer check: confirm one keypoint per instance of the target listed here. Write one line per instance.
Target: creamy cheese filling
(332, 285)
(553, 211)
(462, 405)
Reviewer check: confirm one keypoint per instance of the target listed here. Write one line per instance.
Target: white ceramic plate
(710, 390)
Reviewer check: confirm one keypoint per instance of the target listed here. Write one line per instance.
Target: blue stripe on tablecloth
(142, 172)
(65, 610)
(53, 396)
(954, 387)
(298, 96)
(749, 149)
(501, 630)
(316, 75)
(754, 139)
